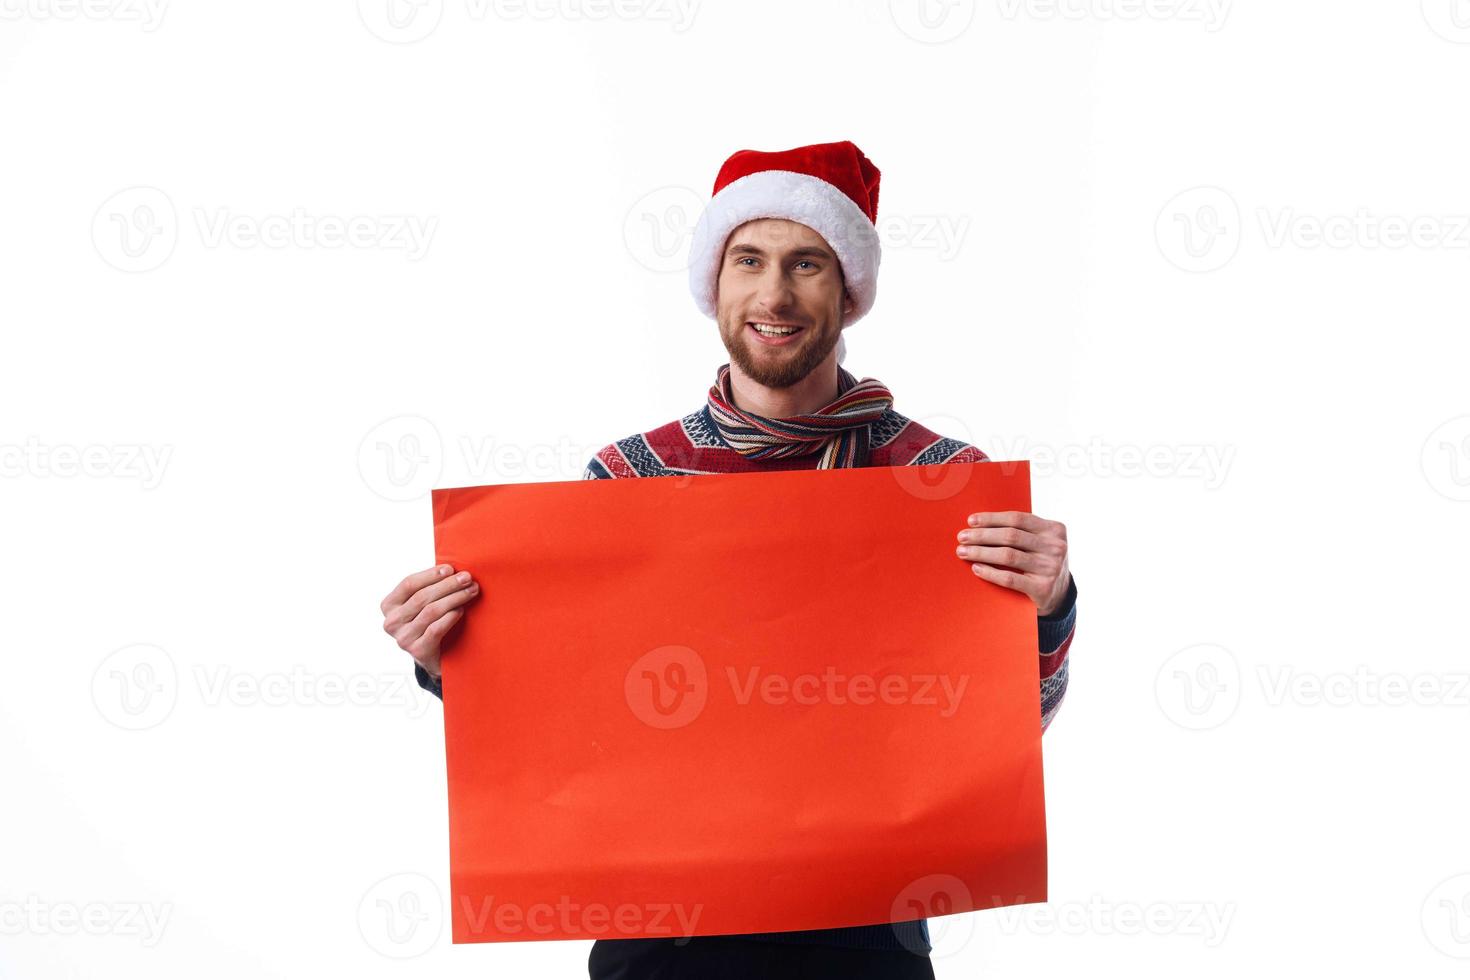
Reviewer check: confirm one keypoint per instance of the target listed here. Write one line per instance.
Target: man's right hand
(422, 609)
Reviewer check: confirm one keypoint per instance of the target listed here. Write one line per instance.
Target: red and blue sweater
(692, 446)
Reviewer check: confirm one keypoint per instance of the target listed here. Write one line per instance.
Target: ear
(848, 303)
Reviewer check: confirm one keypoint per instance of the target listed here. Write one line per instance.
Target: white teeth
(774, 331)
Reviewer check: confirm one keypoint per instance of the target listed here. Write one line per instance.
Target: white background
(1114, 234)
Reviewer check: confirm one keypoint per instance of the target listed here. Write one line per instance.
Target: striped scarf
(838, 429)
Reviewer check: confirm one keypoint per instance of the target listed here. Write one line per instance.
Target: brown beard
(783, 372)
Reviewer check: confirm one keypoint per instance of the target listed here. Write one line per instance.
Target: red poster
(737, 703)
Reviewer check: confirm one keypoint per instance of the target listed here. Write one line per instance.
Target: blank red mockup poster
(702, 705)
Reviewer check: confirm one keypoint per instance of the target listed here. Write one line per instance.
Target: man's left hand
(1019, 551)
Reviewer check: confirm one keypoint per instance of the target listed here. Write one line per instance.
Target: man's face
(782, 274)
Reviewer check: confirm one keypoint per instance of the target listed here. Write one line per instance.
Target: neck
(803, 398)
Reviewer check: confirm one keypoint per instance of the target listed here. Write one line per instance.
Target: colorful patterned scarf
(839, 429)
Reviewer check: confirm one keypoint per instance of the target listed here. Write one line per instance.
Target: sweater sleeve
(433, 686)
(1054, 638)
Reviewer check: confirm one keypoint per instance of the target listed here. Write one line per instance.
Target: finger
(412, 584)
(434, 634)
(1011, 580)
(1008, 518)
(1011, 557)
(400, 616)
(1010, 537)
(409, 629)
(435, 591)
(443, 604)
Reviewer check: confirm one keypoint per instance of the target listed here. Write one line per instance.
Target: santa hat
(831, 188)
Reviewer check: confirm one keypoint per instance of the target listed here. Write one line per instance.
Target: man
(784, 258)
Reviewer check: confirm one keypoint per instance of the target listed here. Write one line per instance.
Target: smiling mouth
(773, 333)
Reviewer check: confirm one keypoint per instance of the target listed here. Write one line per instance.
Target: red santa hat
(831, 188)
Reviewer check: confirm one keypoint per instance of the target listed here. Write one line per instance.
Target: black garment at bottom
(724, 958)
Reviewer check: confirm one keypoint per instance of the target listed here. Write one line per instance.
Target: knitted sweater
(692, 445)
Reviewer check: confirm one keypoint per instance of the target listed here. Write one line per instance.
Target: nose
(775, 294)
